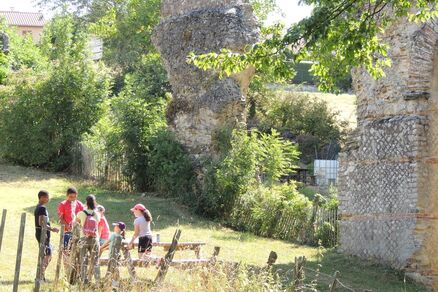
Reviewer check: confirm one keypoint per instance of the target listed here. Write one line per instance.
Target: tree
(44, 113)
(339, 35)
(125, 26)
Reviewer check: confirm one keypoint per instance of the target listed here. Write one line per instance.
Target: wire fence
(307, 226)
(102, 167)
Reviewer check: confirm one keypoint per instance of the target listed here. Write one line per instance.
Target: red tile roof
(16, 18)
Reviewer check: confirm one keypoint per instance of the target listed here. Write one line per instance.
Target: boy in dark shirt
(41, 215)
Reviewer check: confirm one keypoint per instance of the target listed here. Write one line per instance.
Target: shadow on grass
(354, 272)
(10, 173)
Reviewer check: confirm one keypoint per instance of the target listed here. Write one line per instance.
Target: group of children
(94, 229)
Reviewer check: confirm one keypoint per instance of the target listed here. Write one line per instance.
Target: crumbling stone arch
(389, 169)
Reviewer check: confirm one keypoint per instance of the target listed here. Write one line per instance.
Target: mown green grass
(19, 187)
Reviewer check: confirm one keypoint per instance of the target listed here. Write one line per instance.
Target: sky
(290, 10)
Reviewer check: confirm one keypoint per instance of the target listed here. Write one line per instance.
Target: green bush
(134, 131)
(139, 121)
(325, 234)
(252, 158)
(309, 121)
(170, 167)
(262, 210)
(231, 176)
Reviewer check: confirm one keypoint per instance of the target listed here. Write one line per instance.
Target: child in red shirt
(103, 226)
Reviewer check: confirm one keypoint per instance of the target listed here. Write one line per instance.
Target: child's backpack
(90, 225)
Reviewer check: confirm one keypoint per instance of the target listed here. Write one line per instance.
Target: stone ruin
(203, 103)
(388, 180)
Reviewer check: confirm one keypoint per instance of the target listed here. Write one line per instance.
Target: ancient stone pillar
(203, 103)
(389, 169)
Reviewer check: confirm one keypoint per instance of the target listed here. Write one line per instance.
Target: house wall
(35, 31)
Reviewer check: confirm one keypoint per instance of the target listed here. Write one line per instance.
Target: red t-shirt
(65, 210)
(104, 228)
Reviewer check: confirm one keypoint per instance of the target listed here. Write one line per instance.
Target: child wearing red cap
(142, 229)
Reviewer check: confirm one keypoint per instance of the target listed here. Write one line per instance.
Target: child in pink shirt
(103, 226)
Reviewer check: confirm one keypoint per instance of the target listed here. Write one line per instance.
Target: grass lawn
(19, 187)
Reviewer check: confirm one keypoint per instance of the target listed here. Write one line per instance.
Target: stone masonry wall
(203, 103)
(389, 169)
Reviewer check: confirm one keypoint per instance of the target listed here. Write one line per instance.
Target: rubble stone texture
(203, 103)
(389, 170)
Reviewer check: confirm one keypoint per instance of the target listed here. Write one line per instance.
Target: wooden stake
(2, 227)
(59, 260)
(130, 264)
(113, 264)
(272, 258)
(74, 271)
(335, 281)
(19, 252)
(216, 251)
(164, 266)
(41, 254)
(299, 272)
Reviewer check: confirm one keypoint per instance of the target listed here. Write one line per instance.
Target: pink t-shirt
(104, 228)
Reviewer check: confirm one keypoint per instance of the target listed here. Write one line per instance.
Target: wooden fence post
(272, 258)
(112, 273)
(73, 272)
(164, 265)
(216, 251)
(128, 259)
(19, 252)
(299, 273)
(59, 260)
(41, 255)
(335, 281)
(2, 227)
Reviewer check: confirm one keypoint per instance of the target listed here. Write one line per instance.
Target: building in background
(26, 23)
(32, 23)
(326, 172)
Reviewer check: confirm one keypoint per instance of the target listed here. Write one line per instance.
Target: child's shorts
(48, 249)
(144, 244)
(67, 238)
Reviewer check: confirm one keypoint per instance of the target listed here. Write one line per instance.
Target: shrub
(231, 176)
(139, 120)
(252, 158)
(324, 234)
(265, 210)
(170, 167)
(309, 121)
(134, 131)
(46, 112)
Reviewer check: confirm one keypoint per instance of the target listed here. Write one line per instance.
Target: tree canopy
(339, 35)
